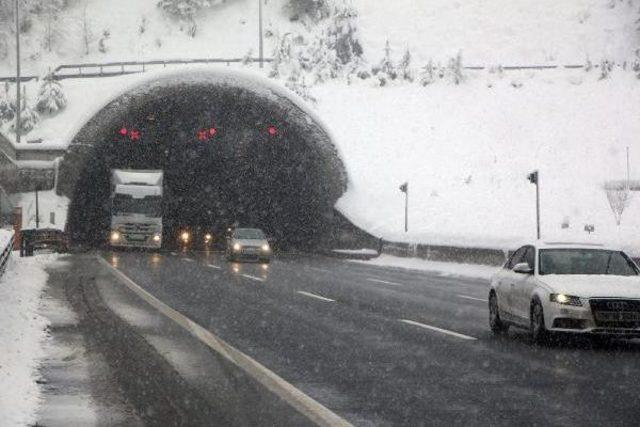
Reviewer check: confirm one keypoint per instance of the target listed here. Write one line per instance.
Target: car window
(586, 262)
(516, 258)
(530, 256)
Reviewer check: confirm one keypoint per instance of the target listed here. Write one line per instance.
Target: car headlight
(207, 237)
(566, 299)
(265, 247)
(115, 236)
(185, 236)
(237, 247)
(156, 237)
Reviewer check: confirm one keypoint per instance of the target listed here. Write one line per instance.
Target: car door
(506, 283)
(523, 285)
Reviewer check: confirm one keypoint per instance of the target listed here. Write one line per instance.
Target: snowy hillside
(487, 32)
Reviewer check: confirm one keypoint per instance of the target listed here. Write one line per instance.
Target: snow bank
(22, 331)
(442, 268)
(466, 150)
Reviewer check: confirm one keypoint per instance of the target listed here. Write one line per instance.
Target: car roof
(542, 244)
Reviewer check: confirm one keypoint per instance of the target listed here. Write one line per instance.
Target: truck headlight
(265, 247)
(566, 299)
(237, 247)
(207, 237)
(185, 236)
(156, 237)
(115, 236)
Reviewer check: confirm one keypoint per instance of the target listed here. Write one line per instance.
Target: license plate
(250, 251)
(621, 316)
(137, 237)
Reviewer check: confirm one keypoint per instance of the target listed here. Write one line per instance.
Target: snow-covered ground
(442, 268)
(22, 334)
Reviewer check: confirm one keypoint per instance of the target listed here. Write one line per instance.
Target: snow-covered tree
(50, 11)
(619, 199)
(405, 69)
(454, 69)
(606, 67)
(386, 70)
(51, 98)
(296, 83)
(185, 11)
(281, 57)
(312, 10)
(7, 108)
(427, 74)
(342, 34)
(29, 117)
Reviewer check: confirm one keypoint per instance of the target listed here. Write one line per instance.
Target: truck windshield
(126, 205)
(249, 234)
(585, 261)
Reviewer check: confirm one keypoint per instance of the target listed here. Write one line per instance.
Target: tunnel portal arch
(235, 147)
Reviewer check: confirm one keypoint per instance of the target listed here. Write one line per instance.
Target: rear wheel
(539, 332)
(495, 323)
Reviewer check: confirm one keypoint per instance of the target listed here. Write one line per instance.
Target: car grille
(616, 313)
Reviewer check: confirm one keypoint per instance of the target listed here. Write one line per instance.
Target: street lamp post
(18, 128)
(260, 40)
(405, 189)
(534, 178)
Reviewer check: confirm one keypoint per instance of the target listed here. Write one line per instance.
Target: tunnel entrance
(232, 151)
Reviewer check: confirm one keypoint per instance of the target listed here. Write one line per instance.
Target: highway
(384, 346)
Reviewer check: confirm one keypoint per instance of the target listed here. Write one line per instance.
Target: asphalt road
(382, 346)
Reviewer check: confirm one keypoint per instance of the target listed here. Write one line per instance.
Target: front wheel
(496, 324)
(538, 330)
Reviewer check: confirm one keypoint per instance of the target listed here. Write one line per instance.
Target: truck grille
(616, 313)
(135, 228)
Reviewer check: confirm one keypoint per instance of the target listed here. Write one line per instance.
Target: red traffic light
(123, 131)
(273, 131)
(134, 135)
(213, 131)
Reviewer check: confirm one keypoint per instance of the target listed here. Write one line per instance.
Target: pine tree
(51, 98)
(7, 108)
(29, 117)
(342, 34)
(454, 69)
(186, 11)
(386, 66)
(406, 72)
(427, 75)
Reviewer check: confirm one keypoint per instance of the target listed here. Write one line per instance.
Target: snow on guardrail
(6, 246)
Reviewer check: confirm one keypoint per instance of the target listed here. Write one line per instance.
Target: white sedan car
(560, 287)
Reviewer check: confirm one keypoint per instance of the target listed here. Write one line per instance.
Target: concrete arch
(286, 183)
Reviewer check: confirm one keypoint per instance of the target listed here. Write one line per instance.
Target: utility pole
(405, 189)
(534, 178)
(260, 41)
(37, 208)
(18, 126)
(628, 171)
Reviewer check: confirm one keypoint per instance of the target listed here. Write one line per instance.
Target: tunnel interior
(229, 155)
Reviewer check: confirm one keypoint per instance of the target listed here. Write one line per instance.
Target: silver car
(248, 244)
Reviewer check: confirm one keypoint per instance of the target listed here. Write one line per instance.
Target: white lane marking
(434, 328)
(471, 298)
(217, 267)
(174, 254)
(383, 282)
(304, 404)
(187, 259)
(248, 276)
(309, 294)
(322, 270)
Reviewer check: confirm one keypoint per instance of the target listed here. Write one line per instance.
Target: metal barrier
(5, 254)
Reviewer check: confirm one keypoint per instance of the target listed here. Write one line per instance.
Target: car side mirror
(523, 268)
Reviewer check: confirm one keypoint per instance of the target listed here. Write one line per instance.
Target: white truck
(136, 208)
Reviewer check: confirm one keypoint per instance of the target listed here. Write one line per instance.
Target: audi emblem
(616, 305)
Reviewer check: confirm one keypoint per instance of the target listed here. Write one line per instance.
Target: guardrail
(5, 254)
(110, 69)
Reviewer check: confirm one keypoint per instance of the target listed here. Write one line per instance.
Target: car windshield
(127, 205)
(248, 234)
(586, 261)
